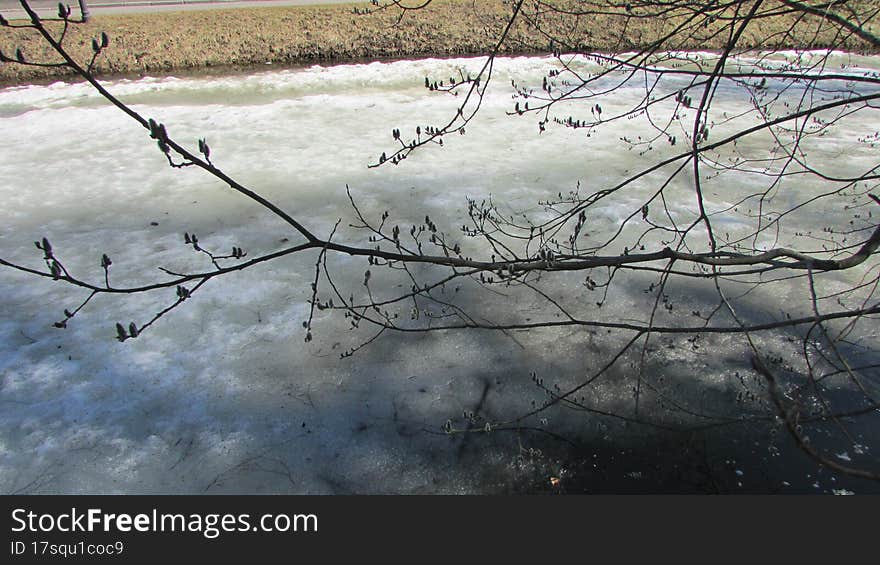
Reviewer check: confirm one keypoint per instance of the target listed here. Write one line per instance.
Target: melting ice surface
(223, 395)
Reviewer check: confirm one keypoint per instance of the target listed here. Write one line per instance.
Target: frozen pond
(223, 396)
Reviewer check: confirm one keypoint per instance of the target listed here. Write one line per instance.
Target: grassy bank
(167, 41)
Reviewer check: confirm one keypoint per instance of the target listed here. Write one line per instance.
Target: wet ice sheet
(223, 395)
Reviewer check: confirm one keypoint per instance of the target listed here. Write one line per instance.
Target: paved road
(12, 8)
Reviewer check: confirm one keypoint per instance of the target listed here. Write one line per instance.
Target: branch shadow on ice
(264, 413)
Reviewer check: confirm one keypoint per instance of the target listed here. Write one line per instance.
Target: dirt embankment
(168, 41)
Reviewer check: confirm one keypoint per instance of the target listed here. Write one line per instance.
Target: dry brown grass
(166, 41)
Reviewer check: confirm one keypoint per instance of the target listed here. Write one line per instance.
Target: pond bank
(164, 42)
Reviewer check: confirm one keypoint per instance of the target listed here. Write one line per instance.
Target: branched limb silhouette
(730, 169)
